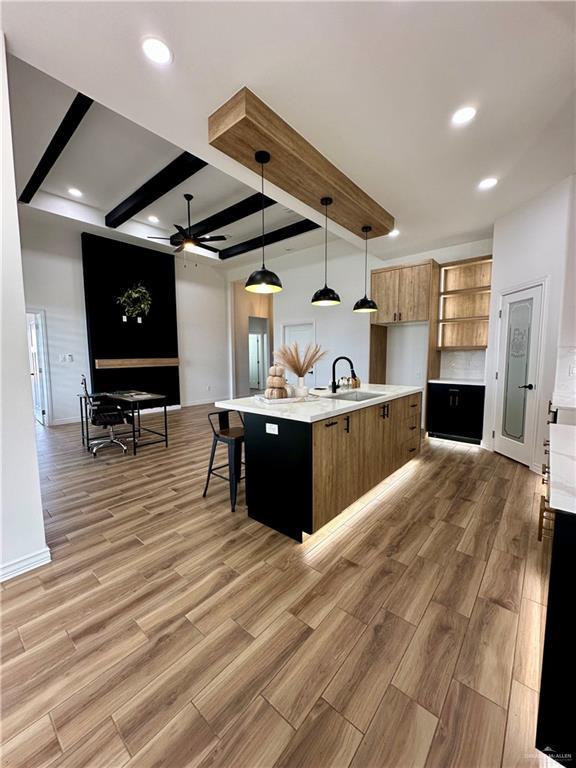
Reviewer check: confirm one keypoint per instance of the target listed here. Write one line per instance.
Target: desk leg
(165, 425)
(87, 420)
(81, 401)
(133, 429)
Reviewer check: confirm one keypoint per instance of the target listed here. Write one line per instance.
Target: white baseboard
(23, 564)
(210, 401)
(61, 422)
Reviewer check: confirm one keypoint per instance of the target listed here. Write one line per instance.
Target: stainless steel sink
(356, 396)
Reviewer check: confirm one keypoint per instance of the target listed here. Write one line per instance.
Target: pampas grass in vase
(299, 362)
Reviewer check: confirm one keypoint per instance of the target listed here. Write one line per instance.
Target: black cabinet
(455, 411)
(556, 734)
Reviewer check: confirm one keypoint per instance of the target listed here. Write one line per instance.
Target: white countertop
(468, 382)
(563, 467)
(324, 406)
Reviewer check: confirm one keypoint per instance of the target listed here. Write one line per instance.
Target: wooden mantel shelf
(245, 124)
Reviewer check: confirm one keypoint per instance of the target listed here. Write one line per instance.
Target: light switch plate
(271, 429)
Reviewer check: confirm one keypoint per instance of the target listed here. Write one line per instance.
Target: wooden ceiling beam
(177, 171)
(245, 124)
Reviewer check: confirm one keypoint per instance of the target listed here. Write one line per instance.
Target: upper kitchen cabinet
(403, 294)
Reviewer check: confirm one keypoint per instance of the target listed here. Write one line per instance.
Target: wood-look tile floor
(169, 632)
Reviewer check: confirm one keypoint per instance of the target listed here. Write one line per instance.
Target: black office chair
(103, 412)
(233, 438)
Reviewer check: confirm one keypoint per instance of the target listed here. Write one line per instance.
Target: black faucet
(334, 386)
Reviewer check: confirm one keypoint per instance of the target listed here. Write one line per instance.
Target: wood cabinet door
(385, 294)
(414, 293)
(374, 427)
(337, 458)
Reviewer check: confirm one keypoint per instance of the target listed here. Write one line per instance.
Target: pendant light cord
(262, 186)
(325, 246)
(365, 263)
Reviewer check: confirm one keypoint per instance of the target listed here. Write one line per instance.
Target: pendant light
(263, 280)
(365, 304)
(325, 297)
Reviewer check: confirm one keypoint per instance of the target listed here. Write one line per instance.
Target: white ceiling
(108, 157)
(371, 85)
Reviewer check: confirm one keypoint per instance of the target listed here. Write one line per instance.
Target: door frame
(541, 282)
(45, 361)
(288, 323)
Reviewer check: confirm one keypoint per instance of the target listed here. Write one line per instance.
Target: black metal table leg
(81, 401)
(165, 425)
(133, 429)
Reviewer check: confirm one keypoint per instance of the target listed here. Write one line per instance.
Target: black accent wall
(110, 268)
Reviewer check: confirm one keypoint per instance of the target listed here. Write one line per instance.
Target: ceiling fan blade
(211, 238)
(208, 248)
(154, 237)
(180, 229)
(180, 248)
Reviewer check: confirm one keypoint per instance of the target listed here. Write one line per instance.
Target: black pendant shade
(365, 304)
(325, 297)
(263, 280)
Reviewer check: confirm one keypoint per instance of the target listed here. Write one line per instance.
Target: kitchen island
(306, 462)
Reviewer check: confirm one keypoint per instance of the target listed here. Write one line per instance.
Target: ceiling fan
(183, 238)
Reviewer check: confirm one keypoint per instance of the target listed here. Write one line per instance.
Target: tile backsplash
(462, 364)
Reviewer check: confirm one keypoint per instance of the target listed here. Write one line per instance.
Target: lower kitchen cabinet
(354, 452)
(300, 475)
(456, 411)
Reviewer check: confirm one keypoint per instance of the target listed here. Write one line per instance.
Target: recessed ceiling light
(463, 115)
(394, 233)
(156, 50)
(74, 192)
(488, 183)
(153, 219)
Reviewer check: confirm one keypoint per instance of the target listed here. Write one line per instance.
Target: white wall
(530, 245)
(52, 260)
(339, 330)
(22, 525)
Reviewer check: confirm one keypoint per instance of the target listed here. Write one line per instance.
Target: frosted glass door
(517, 360)
(515, 427)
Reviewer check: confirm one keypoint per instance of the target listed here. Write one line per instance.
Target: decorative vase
(301, 389)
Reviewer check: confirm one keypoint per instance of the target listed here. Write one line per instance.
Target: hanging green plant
(136, 301)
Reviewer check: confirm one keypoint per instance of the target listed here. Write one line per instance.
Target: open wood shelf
(479, 318)
(461, 349)
(461, 291)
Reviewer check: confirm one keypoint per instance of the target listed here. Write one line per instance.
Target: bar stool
(233, 437)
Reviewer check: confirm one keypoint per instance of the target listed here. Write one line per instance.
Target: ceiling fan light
(263, 281)
(365, 305)
(325, 297)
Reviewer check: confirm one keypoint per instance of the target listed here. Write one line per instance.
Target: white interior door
(519, 353)
(304, 334)
(37, 368)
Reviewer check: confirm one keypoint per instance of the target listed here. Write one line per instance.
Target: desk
(133, 401)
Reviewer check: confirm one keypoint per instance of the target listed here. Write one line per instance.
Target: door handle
(526, 386)
(399, 316)
(394, 316)
(331, 424)
(347, 425)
